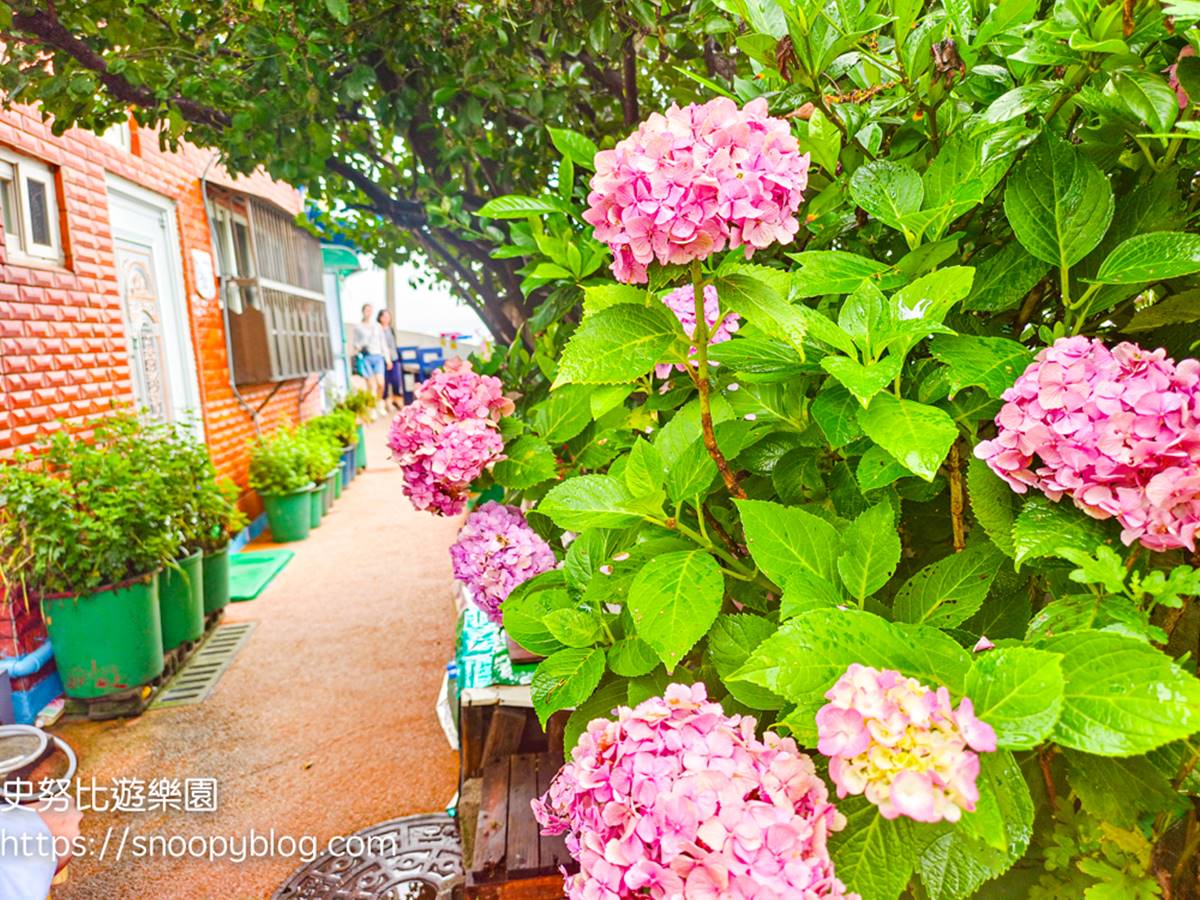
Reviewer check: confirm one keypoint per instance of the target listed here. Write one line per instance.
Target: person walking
(393, 377)
(371, 348)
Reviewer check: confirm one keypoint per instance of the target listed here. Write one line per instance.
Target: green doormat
(251, 571)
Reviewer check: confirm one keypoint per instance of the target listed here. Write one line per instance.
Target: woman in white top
(371, 348)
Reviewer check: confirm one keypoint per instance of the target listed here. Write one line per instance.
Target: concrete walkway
(323, 725)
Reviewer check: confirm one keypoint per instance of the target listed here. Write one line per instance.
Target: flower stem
(700, 337)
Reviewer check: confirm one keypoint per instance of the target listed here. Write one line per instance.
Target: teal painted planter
(289, 515)
(181, 602)
(316, 504)
(360, 455)
(216, 580)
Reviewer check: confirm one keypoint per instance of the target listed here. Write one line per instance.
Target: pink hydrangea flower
(447, 436)
(695, 180)
(496, 550)
(674, 798)
(1181, 95)
(682, 302)
(902, 745)
(1117, 431)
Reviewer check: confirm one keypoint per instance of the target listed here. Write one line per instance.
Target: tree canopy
(400, 119)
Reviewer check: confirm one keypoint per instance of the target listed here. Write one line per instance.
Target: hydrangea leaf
(1058, 202)
(620, 344)
(873, 856)
(836, 413)
(600, 705)
(528, 462)
(562, 415)
(888, 191)
(517, 206)
(526, 608)
(573, 627)
(589, 501)
(870, 551)
(1122, 696)
(1121, 790)
(839, 272)
(992, 363)
(1151, 257)
(877, 468)
(674, 600)
(756, 300)
(564, 680)
(948, 592)
(864, 382)
(1019, 692)
(916, 434)
(783, 539)
(1042, 527)
(732, 640)
(1003, 279)
(992, 503)
(631, 657)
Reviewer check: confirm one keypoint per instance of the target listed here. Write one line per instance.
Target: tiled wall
(63, 352)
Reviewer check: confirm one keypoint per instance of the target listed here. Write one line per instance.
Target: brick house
(136, 277)
(115, 257)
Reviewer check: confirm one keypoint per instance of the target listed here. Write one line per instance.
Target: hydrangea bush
(886, 435)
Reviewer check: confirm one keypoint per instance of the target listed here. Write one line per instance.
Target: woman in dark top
(393, 378)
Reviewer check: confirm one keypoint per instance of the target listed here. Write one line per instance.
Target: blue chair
(410, 364)
(429, 359)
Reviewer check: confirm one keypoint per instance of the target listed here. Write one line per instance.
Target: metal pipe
(212, 237)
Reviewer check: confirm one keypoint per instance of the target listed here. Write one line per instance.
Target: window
(119, 135)
(233, 253)
(30, 209)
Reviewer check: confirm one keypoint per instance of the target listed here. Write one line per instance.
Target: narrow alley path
(323, 725)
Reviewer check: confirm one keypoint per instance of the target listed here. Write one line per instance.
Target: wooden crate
(511, 859)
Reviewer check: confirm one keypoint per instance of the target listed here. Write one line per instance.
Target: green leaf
(619, 344)
(1019, 692)
(992, 503)
(517, 206)
(1151, 257)
(888, 191)
(836, 413)
(601, 296)
(949, 591)
(1019, 101)
(992, 363)
(809, 652)
(600, 705)
(589, 501)
(562, 415)
(730, 643)
(872, 856)
(836, 272)
(573, 627)
(674, 600)
(631, 657)
(565, 679)
(1122, 696)
(917, 435)
(757, 301)
(1119, 790)
(987, 842)
(1058, 202)
(1003, 279)
(783, 539)
(805, 591)
(527, 462)
(578, 148)
(870, 551)
(644, 472)
(864, 382)
(1042, 527)
(877, 468)
(525, 616)
(339, 9)
(1150, 98)
(694, 471)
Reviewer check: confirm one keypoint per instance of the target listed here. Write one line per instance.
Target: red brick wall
(63, 352)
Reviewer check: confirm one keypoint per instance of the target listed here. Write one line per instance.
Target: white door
(149, 275)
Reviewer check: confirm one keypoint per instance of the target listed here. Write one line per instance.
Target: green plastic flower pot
(289, 515)
(360, 453)
(181, 601)
(349, 455)
(339, 476)
(327, 496)
(316, 504)
(108, 641)
(216, 580)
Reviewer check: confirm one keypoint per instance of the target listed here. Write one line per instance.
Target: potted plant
(220, 520)
(341, 425)
(361, 403)
(187, 469)
(321, 456)
(92, 522)
(279, 473)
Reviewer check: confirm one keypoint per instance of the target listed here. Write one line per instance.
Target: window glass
(8, 202)
(39, 212)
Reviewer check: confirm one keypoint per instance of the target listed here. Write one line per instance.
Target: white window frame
(227, 258)
(18, 171)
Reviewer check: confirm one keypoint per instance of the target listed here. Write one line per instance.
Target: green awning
(337, 258)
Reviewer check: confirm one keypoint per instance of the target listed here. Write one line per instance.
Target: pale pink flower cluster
(695, 180)
(1117, 431)
(447, 436)
(1181, 94)
(676, 799)
(496, 550)
(682, 302)
(902, 744)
